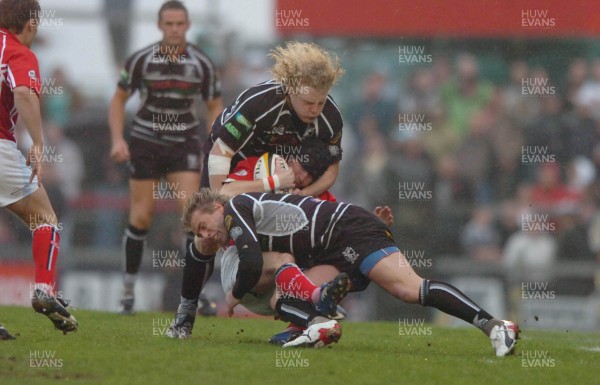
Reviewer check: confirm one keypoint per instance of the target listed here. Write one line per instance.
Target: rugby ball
(266, 165)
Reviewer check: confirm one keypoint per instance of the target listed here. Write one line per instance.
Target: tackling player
(346, 236)
(271, 117)
(21, 189)
(171, 76)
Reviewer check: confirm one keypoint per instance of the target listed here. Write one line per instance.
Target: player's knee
(141, 221)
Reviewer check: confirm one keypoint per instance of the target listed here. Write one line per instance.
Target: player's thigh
(142, 202)
(321, 273)
(34, 209)
(395, 275)
(271, 262)
(185, 183)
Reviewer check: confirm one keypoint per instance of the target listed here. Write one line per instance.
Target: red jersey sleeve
(23, 70)
(244, 170)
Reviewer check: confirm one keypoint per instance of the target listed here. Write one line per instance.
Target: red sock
(45, 253)
(292, 282)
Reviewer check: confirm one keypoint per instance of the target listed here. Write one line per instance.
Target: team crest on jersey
(227, 221)
(350, 255)
(279, 130)
(241, 173)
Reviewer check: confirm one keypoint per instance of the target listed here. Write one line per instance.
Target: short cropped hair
(172, 4)
(306, 64)
(15, 14)
(204, 200)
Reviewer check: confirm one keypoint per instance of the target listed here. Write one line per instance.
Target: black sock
(296, 311)
(450, 300)
(133, 240)
(196, 272)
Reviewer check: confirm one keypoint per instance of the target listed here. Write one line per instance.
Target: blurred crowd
(504, 173)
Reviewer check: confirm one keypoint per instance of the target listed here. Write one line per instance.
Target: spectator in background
(550, 194)
(576, 76)
(521, 109)
(480, 239)
(588, 96)
(531, 252)
(405, 185)
(465, 94)
(475, 157)
(452, 200)
(373, 104)
(62, 99)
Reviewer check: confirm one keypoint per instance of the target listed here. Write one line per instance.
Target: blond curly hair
(306, 64)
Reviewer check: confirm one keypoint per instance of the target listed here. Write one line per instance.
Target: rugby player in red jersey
(171, 75)
(21, 189)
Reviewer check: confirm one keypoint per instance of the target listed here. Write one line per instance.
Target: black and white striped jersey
(170, 86)
(258, 222)
(262, 120)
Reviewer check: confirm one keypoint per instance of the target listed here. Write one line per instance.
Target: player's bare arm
(119, 151)
(27, 103)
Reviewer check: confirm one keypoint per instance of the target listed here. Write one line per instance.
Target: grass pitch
(114, 349)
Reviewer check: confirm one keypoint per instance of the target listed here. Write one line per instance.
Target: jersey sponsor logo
(241, 173)
(227, 221)
(235, 232)
(350, 255)
(233, 131)
(279, 130)
(243, 121)
(32, 75)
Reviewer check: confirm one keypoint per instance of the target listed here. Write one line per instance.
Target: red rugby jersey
(244, 170)
(18, 67)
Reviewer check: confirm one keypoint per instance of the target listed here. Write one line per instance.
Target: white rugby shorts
(14, 174)
(259, 304)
